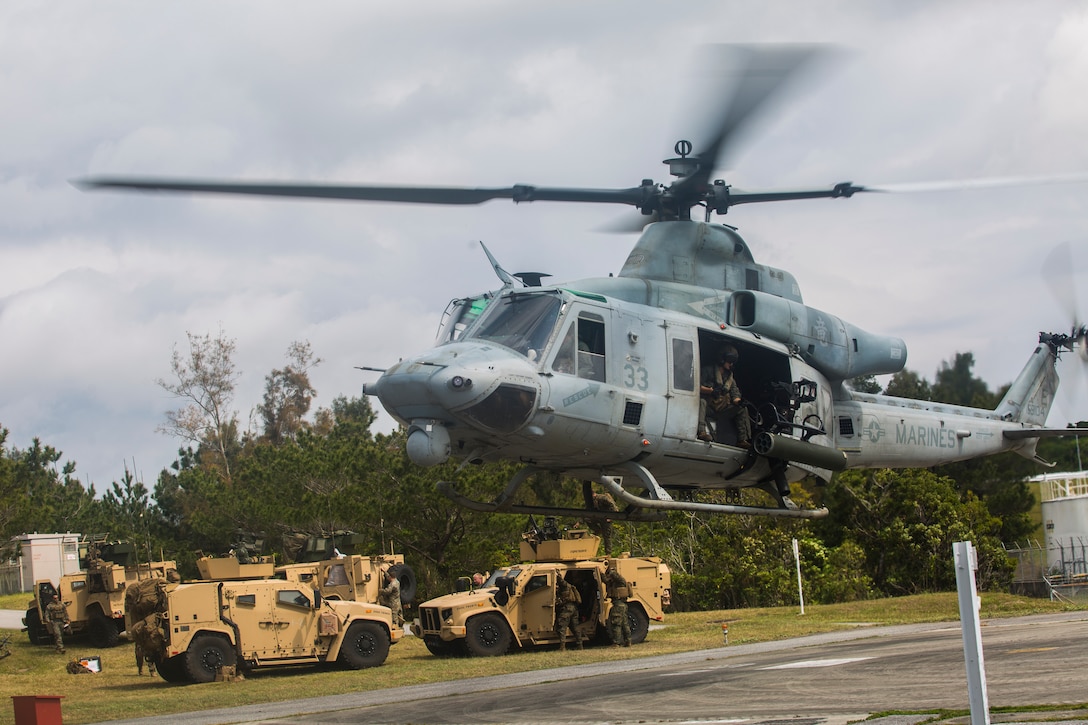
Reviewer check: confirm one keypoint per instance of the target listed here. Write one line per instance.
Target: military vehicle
(94, 596)
(516, 605)
(193, 631)
(352, 577)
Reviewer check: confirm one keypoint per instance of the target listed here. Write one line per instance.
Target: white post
(966, 561)
(797, 563)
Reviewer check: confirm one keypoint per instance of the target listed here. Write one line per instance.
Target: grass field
(117, 692)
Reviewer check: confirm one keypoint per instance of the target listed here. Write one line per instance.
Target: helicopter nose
(485, 387)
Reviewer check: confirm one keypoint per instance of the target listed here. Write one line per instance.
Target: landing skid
(651, 507)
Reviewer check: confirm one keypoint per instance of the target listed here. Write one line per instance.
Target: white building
(46, 556)
(1064, 499)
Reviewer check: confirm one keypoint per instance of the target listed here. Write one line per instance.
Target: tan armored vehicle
(94, 597)
(352, 577)
(516, 605)
(194, 631)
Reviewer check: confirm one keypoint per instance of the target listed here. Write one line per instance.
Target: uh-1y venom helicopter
(599, 379)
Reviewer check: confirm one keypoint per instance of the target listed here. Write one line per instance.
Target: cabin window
(247, 599)
(337, 576)
(683, 364)
(538, 581)
(292, 596)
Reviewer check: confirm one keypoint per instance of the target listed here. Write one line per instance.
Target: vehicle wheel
(441, 648)
(407, 580)
(172, 669)
(206, 655)
(640, 623)
(35, 630)
(103, 631)
(366, 644)
(487, 635)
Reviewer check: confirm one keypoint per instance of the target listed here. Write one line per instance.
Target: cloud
(95, 289)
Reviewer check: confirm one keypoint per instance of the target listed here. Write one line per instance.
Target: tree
(956, 384)
(45, 496)
(865, 384)
(907, 384)
(906, 522)
(288, 394)
(206, 380)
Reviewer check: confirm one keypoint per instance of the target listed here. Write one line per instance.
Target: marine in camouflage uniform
(389, 596)
(57, 616)
(720, 398)
(619, 626)
(148, 642)
(566, 612)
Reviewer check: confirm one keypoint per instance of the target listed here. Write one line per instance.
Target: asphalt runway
(828, 679)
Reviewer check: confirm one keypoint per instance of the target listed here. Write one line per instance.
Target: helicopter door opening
(682, 410)
(763, 375)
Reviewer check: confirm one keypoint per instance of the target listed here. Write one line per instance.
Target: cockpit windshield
(522, 322)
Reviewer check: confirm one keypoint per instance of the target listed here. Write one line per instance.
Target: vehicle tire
(441, 648)
(205, 656)
(35, 630)
(640, 623)
(407, 579)
(366, 644)
(172, 669)
(103, 631)
(487, 635)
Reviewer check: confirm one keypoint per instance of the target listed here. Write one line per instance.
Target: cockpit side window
(582, 350)
(459, 316)
(591, 347)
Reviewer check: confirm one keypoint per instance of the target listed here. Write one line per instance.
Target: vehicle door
(582, 390)
(296, 621)
(252, 610)
(536, 611)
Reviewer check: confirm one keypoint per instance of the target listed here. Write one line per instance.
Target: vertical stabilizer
(1032, 393)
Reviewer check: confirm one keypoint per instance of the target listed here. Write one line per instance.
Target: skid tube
(658, 499)
(652, 507)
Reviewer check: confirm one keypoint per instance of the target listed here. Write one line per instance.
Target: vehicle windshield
(459, 316)
(522, 322)
(498, 573)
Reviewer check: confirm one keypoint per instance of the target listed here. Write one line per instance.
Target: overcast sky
(96, 289)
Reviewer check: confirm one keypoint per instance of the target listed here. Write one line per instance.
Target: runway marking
(1029, 649)
(705, 669)
(816, 663)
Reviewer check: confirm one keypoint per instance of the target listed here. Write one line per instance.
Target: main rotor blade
(354, 192)
(995, 182)
(759, 72)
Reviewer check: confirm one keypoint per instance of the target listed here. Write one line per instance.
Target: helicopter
(603, 379)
